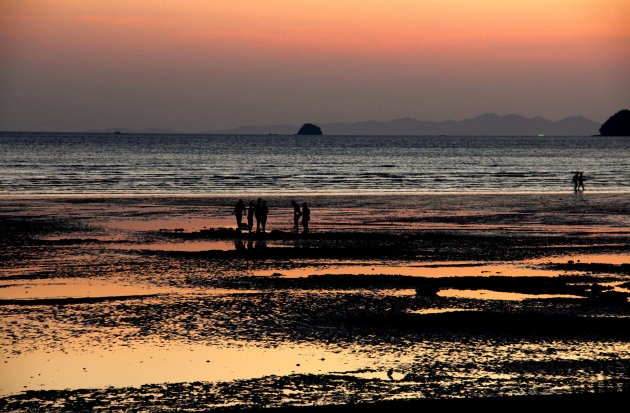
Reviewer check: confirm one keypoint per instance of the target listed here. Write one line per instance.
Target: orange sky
(251, 52)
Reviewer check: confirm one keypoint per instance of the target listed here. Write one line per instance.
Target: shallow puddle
(135, 364)
(74, 288)
(440, 310)
(55, 288)
(83, 363)
(499, 295)
(189, 246)
(431, 270)
(527, 268)
(84, 238)
(614, 259)
(187, 224)
(144, 363)
(199, 246)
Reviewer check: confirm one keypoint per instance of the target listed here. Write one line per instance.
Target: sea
(87, 164)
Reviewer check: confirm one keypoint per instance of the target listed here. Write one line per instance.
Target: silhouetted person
(581, 181)
(238, 212)
(257, 213)
(250, 216)
(264, 211)
(306, 217)
(576, 177)
(296, 216)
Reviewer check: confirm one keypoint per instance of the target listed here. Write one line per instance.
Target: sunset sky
(200, 65)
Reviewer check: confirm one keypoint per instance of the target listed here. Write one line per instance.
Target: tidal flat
(158, 303)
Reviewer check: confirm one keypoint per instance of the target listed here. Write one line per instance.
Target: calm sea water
(107, 164)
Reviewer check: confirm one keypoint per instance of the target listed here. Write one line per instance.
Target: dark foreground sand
(391, 302)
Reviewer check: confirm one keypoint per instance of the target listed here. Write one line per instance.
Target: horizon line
(272, 135)
(222, 131)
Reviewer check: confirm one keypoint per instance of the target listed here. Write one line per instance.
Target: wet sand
(158, 303)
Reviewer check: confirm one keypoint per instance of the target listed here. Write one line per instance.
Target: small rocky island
(617, 125)
(309, 129)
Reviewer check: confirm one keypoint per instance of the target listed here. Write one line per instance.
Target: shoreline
(236, 195)
(536, 213)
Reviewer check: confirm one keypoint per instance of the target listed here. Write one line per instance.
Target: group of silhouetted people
(260, 211)
(578, 181)
(305, 214)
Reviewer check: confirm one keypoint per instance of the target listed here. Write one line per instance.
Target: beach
(157, 302)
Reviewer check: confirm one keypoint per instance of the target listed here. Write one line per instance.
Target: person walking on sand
(576, 177)
(296, 216)
(581, 181)
(238, 212)
(306, 217)
(264, 211)
(250, 216)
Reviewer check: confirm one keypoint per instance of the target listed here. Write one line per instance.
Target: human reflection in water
(306, 217)
(239, 245)
(296, 216)
(238, 212)
(250, 216)
(250, 244)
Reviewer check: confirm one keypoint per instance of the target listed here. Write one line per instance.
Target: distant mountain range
(488, 124)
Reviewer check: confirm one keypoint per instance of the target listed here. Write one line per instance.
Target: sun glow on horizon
(348, 44)
(436, 27)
